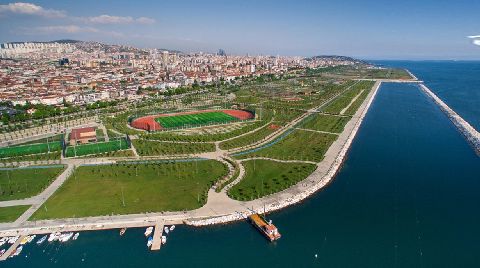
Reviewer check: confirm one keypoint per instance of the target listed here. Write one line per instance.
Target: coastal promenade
(469, 132)
(219, 207)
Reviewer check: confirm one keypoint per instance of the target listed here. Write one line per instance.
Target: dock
(157, 235)
(12, 248)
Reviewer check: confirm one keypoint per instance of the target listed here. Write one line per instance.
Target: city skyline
(368, 30)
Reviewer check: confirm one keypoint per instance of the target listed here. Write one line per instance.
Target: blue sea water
(456, 82)
(407, 196)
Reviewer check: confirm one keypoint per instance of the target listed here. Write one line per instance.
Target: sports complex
(190, 119)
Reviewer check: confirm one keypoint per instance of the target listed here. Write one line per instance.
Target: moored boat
(266, 228)
(24, 240)
(122, 231)
(172, 228)
(166, 230)
(164, 239)
(41, 240)
(150, 241)
(17, 251)
(65, 237)
(2, 252)
(75, 237)
(148, 231)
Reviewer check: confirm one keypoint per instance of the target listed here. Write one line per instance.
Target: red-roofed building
(83, 135)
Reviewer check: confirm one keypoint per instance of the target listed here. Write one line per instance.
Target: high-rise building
(165, 57)
(221, 52)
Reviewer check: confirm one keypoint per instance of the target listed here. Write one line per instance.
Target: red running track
(148, 122)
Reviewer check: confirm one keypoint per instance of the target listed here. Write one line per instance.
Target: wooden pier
(12, 248)
(157, 235)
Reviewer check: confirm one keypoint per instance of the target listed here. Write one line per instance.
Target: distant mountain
(62, 41)
(337, 58)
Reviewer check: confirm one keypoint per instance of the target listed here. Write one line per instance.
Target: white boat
(13, 239)
(148, 231)
(17, 251)
(166, 230)
(172, 228)
(65, 237)
(3, 241)
(150, 241)
(30, 239)
(2, 252)
(41, 240)
(75, 237)
(164, 239)
(54, 236)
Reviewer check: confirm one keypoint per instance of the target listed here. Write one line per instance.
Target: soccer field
(96, 148)
(198, 119)
(30, 149)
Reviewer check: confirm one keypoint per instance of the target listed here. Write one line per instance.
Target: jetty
(469, 132)
(157, 235)
(12, 248)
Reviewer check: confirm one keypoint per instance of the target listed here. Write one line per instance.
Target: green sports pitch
(196, 119)
(29, 149)
(96, 148)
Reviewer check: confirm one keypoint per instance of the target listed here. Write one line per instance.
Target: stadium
(190, 119)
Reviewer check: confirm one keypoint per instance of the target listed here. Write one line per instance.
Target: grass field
(328, 123)
(133, 188)
(22, 183)
(247, 139)
(10, 214)
(336, 106)
(299, 145)
(149, 148)
(30, 149)
(264, 177)
(191, 120)
(96, 148)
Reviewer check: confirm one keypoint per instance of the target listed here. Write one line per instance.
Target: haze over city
(367, 29)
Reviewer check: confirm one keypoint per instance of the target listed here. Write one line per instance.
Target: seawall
(469, 132)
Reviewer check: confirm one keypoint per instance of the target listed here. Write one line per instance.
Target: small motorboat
(172, 228)
(164, 239)
(122, 231)
(41, 240)
(166, 230)
(150, 241)
(148, 231)
(75, 237)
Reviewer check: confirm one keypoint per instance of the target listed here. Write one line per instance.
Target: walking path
(278, 160)
(318, 131)
(342, 112)
(219, 207)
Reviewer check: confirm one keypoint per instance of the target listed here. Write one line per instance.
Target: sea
(406, 196)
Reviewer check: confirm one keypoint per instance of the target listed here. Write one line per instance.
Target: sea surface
(407, 196)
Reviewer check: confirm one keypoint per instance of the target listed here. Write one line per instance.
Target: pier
(469, 132)
(12, 248)
(157, 235)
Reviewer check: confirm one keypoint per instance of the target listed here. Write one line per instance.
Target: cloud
(67, 29)
(31, 9)
(476, 39)
(109, 19)
(64, 29)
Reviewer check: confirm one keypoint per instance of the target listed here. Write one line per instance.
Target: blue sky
(422, 29)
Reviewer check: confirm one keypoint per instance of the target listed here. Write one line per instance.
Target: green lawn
(10, 214)
(191, 120)
(328, 123)
(356, 104)
(299, 145)
(341, 102)
(149, 148)
(133, 188)
(96, 148)
(264, 177)
(29, 149)
(247, 139)
(20, 183)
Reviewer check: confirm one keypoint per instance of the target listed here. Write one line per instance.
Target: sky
(367, 29)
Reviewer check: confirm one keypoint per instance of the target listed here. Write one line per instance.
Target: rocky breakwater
(469, 132)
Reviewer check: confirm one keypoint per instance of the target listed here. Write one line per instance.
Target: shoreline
(230, 211)
(306, 193)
